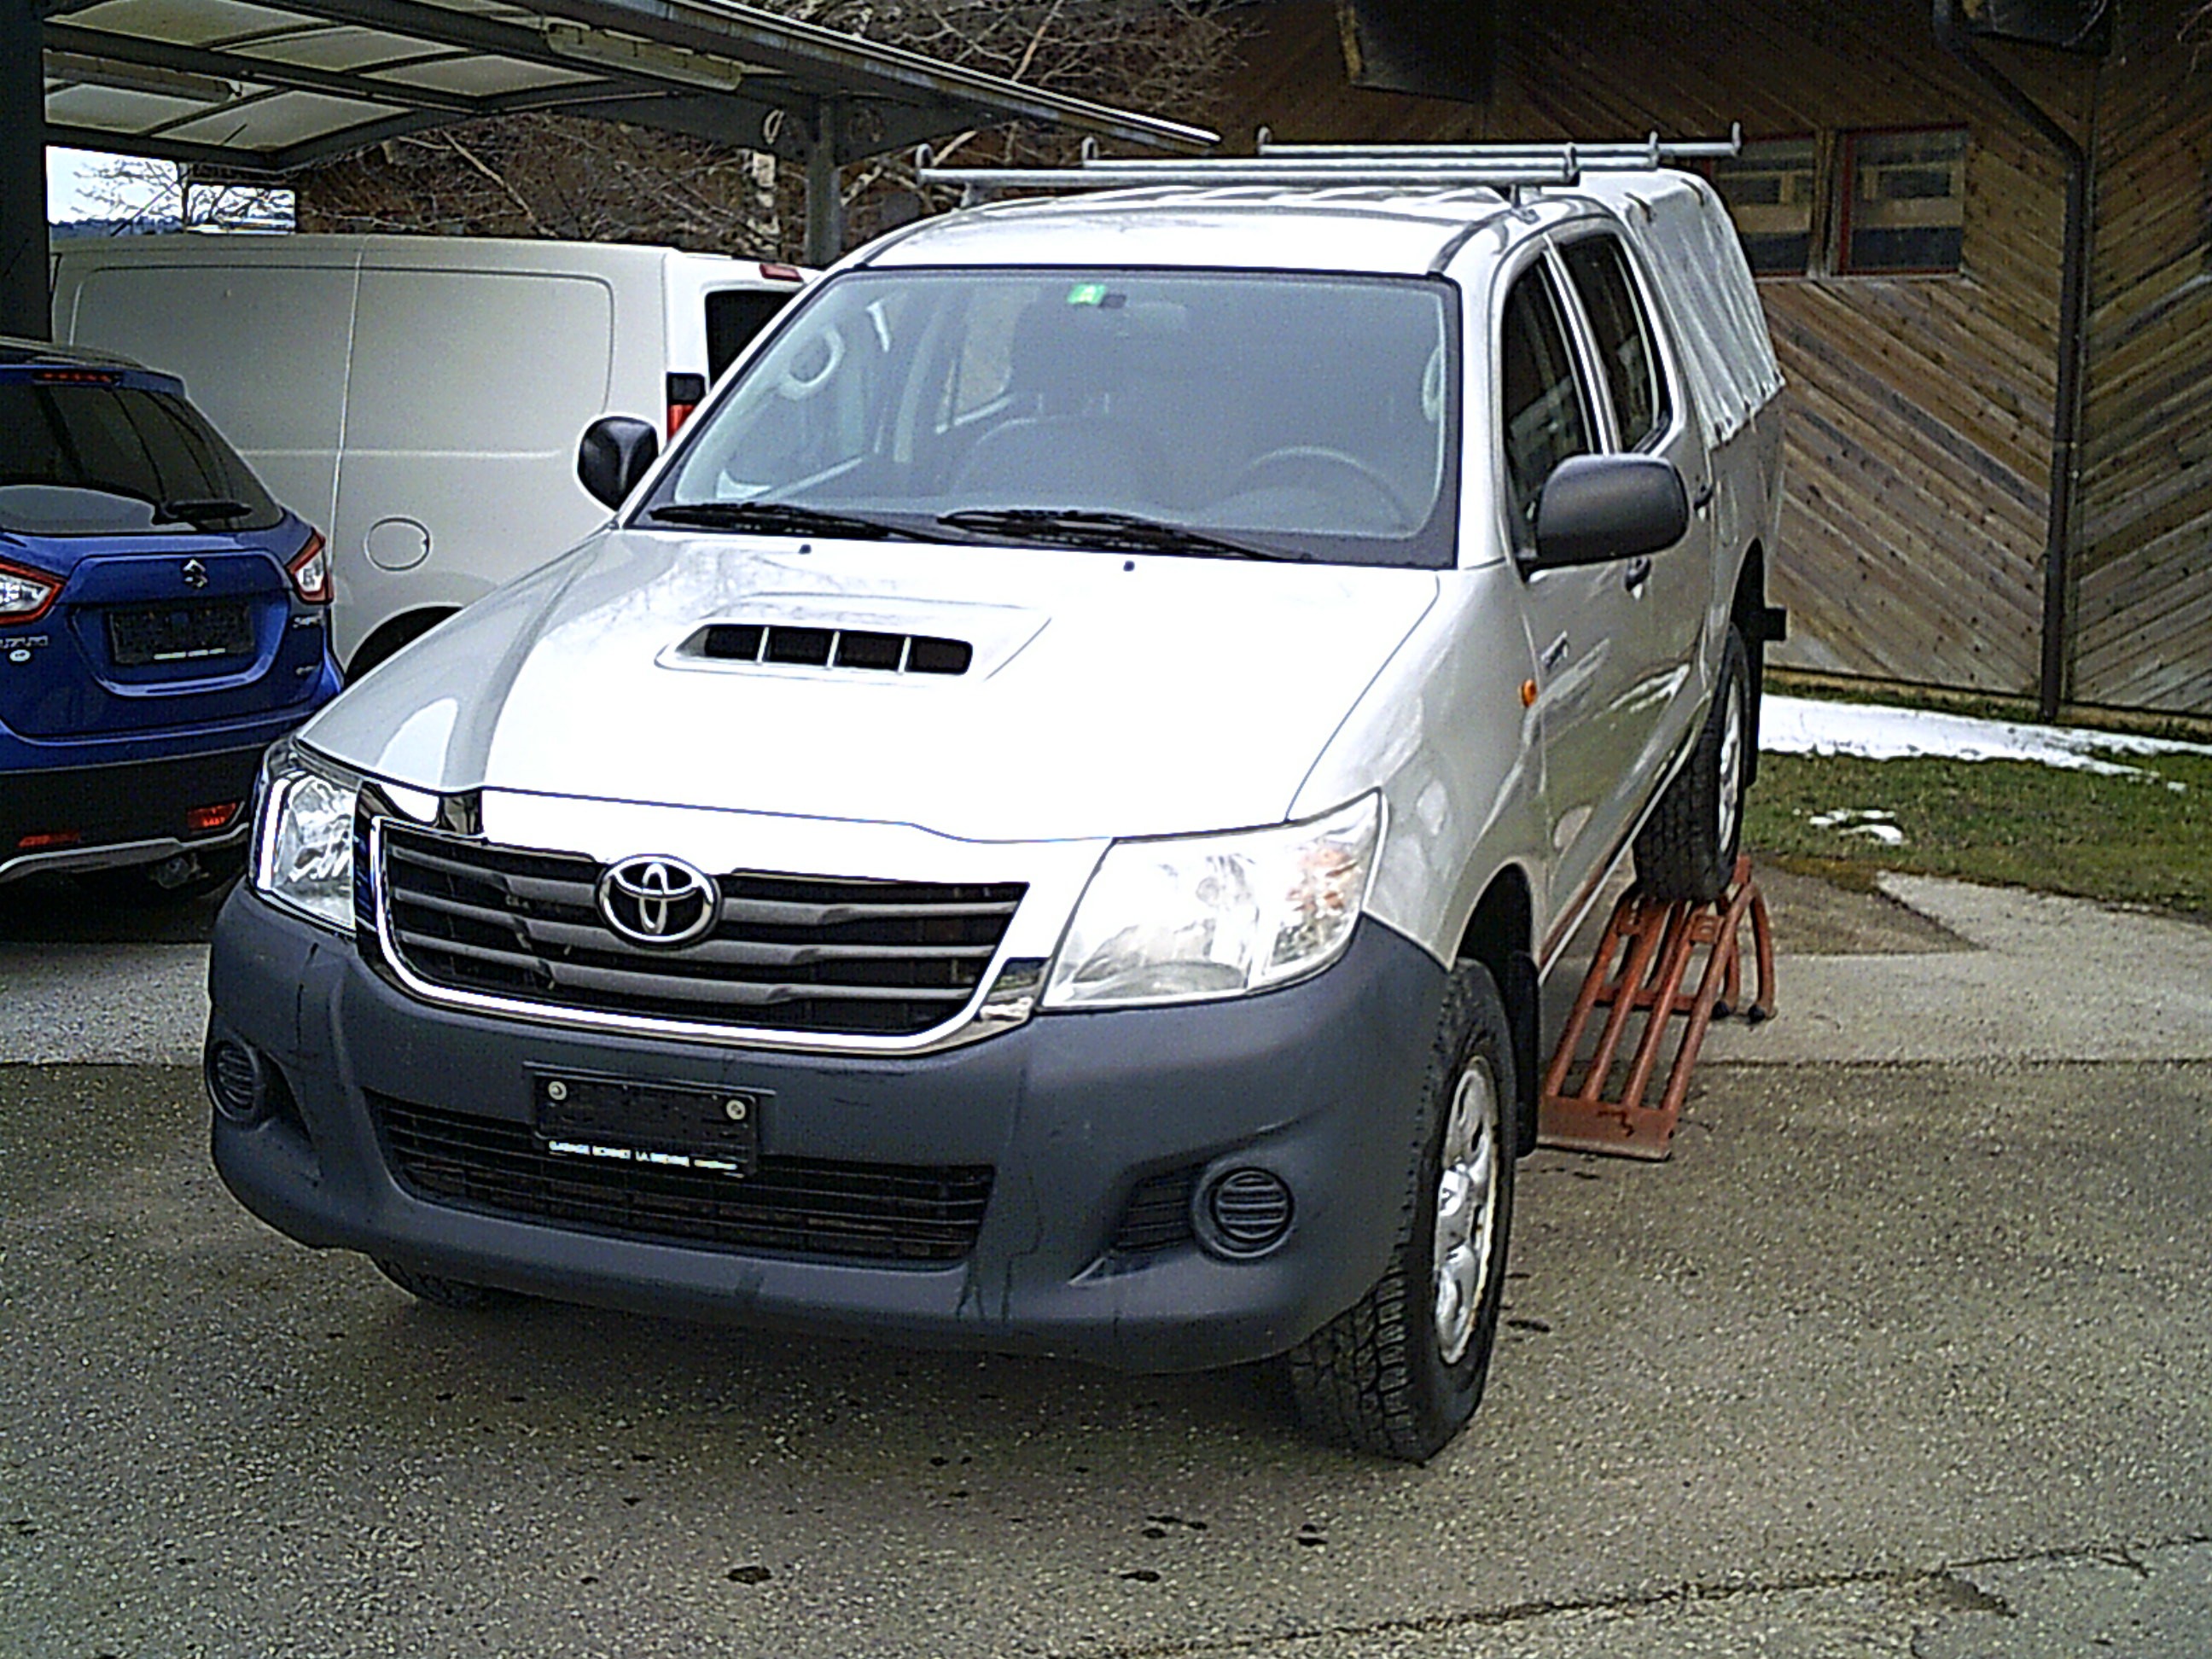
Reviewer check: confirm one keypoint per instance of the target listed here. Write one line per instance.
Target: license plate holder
(679, 1128)
(146, 637)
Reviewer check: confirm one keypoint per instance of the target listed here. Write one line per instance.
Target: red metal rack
(1649, 948)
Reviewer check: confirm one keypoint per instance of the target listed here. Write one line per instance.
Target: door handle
(1639, 573)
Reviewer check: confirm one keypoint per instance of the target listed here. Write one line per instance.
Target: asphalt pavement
(1904, 1352)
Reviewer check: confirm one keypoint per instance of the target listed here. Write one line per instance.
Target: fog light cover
(235, 1081)
(1245, 1213)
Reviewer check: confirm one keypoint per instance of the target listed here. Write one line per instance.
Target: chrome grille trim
(1001, 993)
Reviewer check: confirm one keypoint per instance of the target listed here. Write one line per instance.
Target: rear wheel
(1686, 849)
(1400, 1371)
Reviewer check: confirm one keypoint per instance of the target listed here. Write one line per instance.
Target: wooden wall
(1919, 407)
(2142, 598)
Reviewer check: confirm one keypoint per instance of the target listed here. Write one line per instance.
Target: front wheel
(1686, 849)
(1400, 1371)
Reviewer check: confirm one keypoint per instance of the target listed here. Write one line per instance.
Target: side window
(1545, 414)
(734, 315)
(1599, 268)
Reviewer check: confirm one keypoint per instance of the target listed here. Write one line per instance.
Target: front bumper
(1318, 1083)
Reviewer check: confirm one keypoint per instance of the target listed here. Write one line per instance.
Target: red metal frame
(1649, 949)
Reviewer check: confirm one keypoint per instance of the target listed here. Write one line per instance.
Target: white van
(419, 396)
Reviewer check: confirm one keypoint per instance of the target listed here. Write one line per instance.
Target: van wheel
(1686, 849)
(1400, 1371)
(457, 1294)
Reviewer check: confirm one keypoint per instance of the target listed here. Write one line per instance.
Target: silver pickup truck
(1040, 821)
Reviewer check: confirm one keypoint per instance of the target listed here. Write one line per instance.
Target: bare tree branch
(537, 175)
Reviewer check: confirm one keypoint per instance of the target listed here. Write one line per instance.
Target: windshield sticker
(1097, 293)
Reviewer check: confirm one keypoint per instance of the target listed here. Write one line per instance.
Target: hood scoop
(854, 636)
(792, 645)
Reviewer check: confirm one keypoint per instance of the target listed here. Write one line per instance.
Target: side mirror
(614, 455)
(1597, 508)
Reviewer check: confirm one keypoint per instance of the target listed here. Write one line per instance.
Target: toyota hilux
(1040, 821)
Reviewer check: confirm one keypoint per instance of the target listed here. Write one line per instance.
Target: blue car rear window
(87, 459)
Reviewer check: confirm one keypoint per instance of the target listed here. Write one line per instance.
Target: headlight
(303, 837)
(1216, 915)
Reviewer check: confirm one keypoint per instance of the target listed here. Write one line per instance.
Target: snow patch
(1802, 726)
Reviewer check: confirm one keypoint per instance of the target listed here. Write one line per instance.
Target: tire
(1399, 1373)
(1686, 849)
(457, 1294)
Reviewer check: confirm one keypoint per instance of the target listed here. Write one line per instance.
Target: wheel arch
(1500, 935)
(1748, 610)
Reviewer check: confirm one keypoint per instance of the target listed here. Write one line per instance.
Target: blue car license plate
(141, 636)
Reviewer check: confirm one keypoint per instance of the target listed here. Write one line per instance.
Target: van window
(734, 315)
(1599, 269)
(1545, 414)
(88, 459)
(1313, 415)
(478, 362)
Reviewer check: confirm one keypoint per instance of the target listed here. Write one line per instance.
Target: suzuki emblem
(195, 574)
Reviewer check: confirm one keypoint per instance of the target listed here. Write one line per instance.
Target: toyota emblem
(194, 573)
(653, 900)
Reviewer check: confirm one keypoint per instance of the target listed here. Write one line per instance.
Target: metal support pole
(25, 302)
(2073, 347)
(825, 207)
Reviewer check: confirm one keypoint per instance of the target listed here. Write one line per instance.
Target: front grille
(892, 1213)
(786, 953)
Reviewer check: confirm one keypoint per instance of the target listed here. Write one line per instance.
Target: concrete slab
(2037, 978)
(1883, 1353)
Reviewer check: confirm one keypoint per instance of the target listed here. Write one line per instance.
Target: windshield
(88, 458)
(1293, 416)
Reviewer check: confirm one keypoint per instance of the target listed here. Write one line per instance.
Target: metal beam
(26, 303)
(825, 201)
(109, 47)
(829, 63)
(159, 150)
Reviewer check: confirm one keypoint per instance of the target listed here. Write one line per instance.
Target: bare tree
(139, 193)
(555, 176)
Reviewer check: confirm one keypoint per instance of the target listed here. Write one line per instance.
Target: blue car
(162, 621)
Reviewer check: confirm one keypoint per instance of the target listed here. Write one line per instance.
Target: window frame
(1819, 193)
(1659, 349)
(1845, 194)
(1518, 526)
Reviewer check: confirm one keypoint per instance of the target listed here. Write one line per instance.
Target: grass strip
(2128, 839)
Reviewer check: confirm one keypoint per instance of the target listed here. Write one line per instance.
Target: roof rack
(1322, 166)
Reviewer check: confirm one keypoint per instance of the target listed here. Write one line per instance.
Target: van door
(469, 392)
(1577, 618)
(261, 349)
(1650, 416)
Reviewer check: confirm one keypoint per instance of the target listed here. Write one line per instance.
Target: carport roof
(242, 83)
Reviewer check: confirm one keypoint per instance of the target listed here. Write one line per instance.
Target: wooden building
(1910, 223)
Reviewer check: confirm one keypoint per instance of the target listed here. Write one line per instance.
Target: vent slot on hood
(830, 647)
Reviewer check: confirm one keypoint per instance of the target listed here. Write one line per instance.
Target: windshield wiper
(1119, 532)
(197, 511)
(785, 519)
